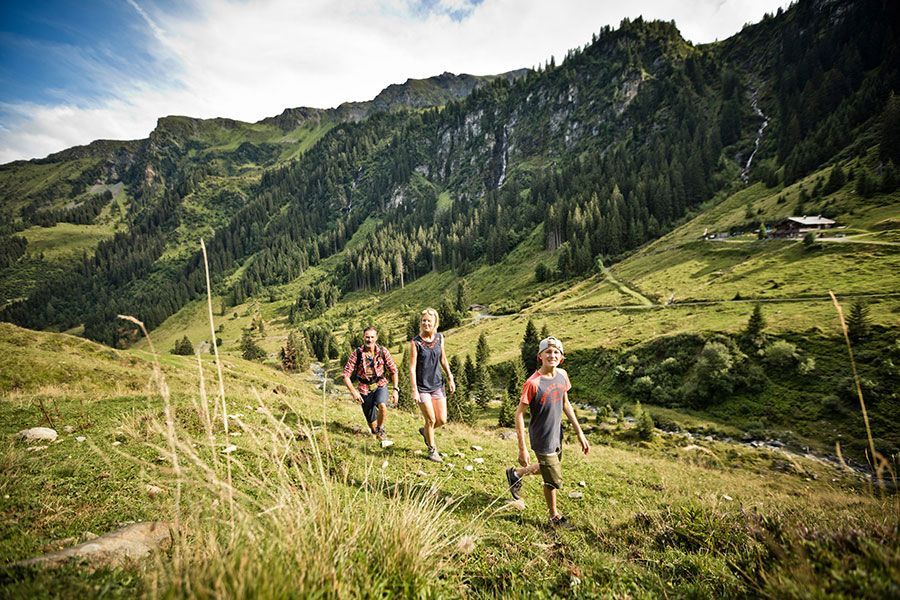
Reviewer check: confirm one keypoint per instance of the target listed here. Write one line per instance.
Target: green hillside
(633, 200)
(669, 516)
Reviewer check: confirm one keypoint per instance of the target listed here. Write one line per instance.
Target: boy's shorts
(371, 401)
(551, 470)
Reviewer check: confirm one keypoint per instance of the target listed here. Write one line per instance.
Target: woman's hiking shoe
(515, 483)
(434, 455)
(425, 439)
(560, 521)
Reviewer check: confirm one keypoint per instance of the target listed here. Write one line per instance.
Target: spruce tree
(250, 350)
(406, 402)
(482, 352)
(183, 347)
(643, 422)
(889, 144)
(462, 297)
(288, 354)
(529, 348)
(756, 323)
(507, 415)
(454, 412)
(471, 375)
(858, 322)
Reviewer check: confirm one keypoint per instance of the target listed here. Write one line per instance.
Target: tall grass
(880, 465)
(280, 516)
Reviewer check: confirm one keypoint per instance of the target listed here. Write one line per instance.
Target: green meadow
(307, 498)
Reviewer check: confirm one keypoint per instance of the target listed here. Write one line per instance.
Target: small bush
(644, 422)
(781, 354)
(183, 347)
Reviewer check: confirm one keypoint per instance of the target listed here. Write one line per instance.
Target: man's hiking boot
(515, 483)
(561, 522)
(434, 455)
(380, 434)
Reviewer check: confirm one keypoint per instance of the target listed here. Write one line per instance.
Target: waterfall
(745, 172)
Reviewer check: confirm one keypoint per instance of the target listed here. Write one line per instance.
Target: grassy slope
(20, 183)
(657, 518)
(595, 313)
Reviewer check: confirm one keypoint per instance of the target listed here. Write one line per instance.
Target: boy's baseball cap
(548, 342)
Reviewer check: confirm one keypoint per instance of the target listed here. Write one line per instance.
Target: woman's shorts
(437, 394)
(551, 470)
(372, 400)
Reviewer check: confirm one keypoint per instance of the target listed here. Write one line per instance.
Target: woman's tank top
(428, 363)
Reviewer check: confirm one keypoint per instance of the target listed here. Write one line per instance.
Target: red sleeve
(389, 363)
(351, 364)
(528, 391)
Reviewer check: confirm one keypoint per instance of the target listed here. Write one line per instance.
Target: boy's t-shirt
(544, 396)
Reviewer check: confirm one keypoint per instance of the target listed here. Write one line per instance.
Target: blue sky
(75, 71)
(64, 50)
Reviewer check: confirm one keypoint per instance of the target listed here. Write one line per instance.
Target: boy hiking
(546, 394)
(368, 364)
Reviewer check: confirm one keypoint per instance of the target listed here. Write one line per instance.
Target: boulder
(38, 434)
(132, 542)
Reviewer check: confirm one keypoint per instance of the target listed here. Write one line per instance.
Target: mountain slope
(674, 515)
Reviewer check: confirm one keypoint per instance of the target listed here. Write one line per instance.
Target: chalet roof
(817, 220)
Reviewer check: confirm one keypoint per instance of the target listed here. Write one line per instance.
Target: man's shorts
(437, 394)
(371, 401)
(551, 470)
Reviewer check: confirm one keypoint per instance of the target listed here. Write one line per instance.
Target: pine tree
(889, 145)
(462, 297)
(529, 348)
(303, 351)
(183, 347)
(454, 412)
(463, 406)
(756, 323)
(406, 402)
(643, 422)
(288, 354)
(481, 391)
(858, 322)
(250, 350)
(482, 352)
(545, 331)
(507, 414)
(470, 374)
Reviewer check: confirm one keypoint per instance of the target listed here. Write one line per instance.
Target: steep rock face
(292, 118)
(412, 94)
(570, 109)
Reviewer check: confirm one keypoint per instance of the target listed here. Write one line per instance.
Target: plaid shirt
(383, 362)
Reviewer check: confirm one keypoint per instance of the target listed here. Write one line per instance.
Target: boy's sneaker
(515, 483)
(434, 455)
(560, 521)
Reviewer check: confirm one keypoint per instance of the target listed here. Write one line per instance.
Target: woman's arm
(413, 359)
(446, 365)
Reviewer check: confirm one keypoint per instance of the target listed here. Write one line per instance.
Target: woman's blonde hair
(433, 314)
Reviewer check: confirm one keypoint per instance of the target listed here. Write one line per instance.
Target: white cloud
(248, 60)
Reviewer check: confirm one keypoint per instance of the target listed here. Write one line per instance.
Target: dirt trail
(622, 287)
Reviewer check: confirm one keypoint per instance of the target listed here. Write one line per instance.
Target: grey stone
(132, 542)
(38, 434)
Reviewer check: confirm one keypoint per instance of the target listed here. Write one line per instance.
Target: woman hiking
(426, 358)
